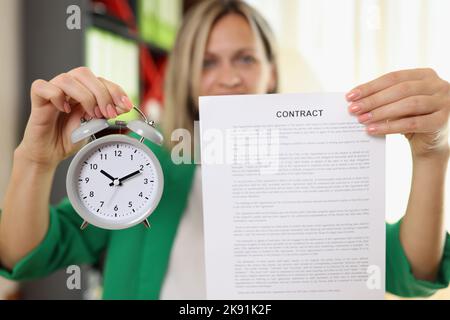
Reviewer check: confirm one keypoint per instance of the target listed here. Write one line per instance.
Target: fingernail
(98, 113)
(111, 112)
(120, 111)
(353, 95)
(67, 107)
(104, 111)
(372, 128)
(127, 102)
(365, 117)
(354, 108)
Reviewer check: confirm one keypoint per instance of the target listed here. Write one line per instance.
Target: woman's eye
(246, 59)
(208, 63)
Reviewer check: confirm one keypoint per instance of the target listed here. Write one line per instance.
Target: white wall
(9, 98)
(329, 45)
(9, 84)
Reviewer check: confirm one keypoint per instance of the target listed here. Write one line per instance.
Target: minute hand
(128, 176)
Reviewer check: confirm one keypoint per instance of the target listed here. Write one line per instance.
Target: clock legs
(84, 225)
(146, 223)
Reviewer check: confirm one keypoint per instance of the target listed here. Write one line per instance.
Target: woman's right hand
(56, 109)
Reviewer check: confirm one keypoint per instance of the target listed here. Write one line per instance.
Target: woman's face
(235, 61)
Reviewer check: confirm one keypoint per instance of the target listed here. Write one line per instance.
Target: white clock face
(118, 182)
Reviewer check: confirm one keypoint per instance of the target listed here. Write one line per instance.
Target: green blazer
(137, 259)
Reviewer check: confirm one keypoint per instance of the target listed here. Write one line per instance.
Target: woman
(223, 47)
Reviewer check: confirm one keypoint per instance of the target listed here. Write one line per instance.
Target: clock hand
(111, 177)
(108, 175)
(127, 177)
(113, 196)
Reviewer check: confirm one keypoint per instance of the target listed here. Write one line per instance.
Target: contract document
(293, 198)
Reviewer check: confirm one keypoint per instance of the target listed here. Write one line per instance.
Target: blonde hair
(185, 62)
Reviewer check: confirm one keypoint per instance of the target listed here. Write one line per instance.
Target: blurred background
(325, 45)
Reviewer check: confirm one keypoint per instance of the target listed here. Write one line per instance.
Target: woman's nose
(229, 77)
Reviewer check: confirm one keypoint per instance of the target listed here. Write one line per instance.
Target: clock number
(102, 203)
(141, 195)
(118, 153)
(93, 166)
(142, 167)
(116, 208)
(103, 156)
(91, 194)
(145, 181)
(130, 204)
(86, 179)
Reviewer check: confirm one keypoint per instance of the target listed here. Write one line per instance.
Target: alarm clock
(116, 181)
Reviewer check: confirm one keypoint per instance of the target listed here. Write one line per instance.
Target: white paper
(299, 212)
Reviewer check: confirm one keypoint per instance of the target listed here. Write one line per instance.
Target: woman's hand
(57, 107)
(415, 103)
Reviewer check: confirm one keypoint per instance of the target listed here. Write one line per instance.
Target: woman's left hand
(415, 103)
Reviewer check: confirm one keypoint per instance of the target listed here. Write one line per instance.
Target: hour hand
(107, 175)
